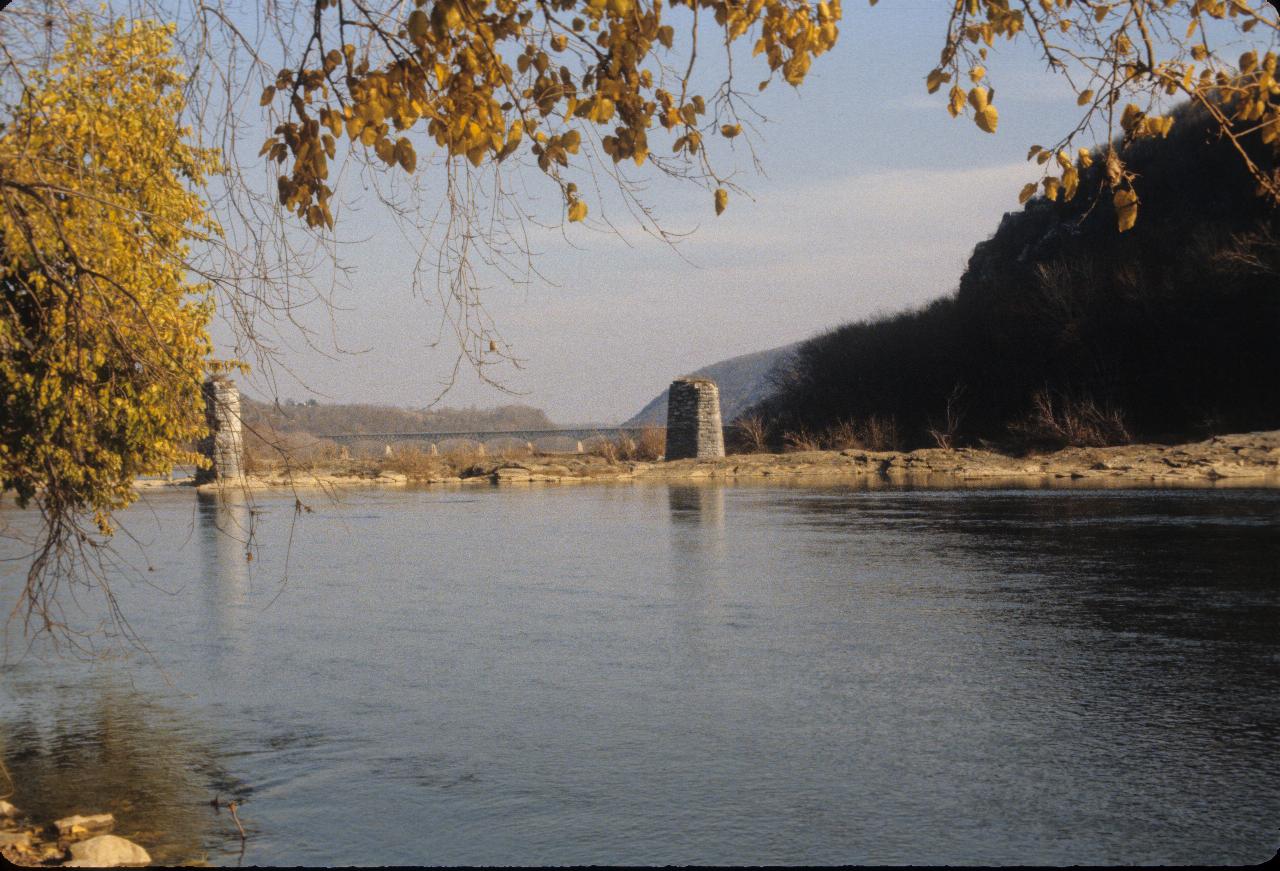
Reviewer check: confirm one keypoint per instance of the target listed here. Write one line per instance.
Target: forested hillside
(1064, 330)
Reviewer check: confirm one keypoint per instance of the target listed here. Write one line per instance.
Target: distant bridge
(576, 434)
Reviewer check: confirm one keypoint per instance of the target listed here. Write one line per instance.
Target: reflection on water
(686, 674)
(100, 746)
(697, 523)
(699, 505)
(223, 522)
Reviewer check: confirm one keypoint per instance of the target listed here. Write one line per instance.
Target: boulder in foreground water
(107, 851)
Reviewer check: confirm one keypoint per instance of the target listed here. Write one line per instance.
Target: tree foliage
(486, 79)
(103, 342)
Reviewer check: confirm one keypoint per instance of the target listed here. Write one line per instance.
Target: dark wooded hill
(1065, 330)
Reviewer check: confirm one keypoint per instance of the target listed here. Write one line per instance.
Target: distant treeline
(1065, 331)
(293, 433)
(321, 419)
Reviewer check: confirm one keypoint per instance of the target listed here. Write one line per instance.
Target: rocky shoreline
(78, 841)
(1245, 459)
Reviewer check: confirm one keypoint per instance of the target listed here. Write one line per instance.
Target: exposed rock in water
(80, 842)
(78, 825)
(512, 473)
(107, 851)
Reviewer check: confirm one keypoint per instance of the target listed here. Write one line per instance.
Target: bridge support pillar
(480, 449)
(694, 427)
(224, 446)
(386, 451)
(433, 450)
(579, 448)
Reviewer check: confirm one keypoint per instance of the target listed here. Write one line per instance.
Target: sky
(871, 199)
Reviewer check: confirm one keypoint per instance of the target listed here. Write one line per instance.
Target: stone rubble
(77, 841)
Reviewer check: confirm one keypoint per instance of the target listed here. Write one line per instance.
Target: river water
(677, 674)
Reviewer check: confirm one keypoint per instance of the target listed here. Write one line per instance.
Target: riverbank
(1249, 459)
(79, 841)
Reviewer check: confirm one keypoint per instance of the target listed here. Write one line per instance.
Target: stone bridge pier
(694, 427)
(224, 446)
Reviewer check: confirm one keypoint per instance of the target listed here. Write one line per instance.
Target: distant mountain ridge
(743, 381)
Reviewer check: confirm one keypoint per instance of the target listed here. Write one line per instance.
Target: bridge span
(575, 434)
(695, 426)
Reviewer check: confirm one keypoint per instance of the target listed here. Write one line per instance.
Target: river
(675, 674)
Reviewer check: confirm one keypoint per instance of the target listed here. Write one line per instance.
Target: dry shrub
(415, 463)
(266, 449)
(652, 443)
(801, 440)
(749, 434)
(460, 460)
(874, 433)
(253, 462)
(842, 435)
(468, 458)
(611, 450)
(944, 434)
(879, 433)
(1068, 421)
(458, 451)
(649, 444)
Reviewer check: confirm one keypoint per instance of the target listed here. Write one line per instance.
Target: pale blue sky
(874, 197)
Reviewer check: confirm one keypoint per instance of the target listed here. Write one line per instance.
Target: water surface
(682, 674)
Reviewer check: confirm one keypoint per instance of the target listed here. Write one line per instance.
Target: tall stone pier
(224, 446)
(694, 428)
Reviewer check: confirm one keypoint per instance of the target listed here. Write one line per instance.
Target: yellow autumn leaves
(103, 342)
(1112, 47)
(489, 79)
(1063, 187)
(984, 114)
(1126, 206)
(484, 81)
